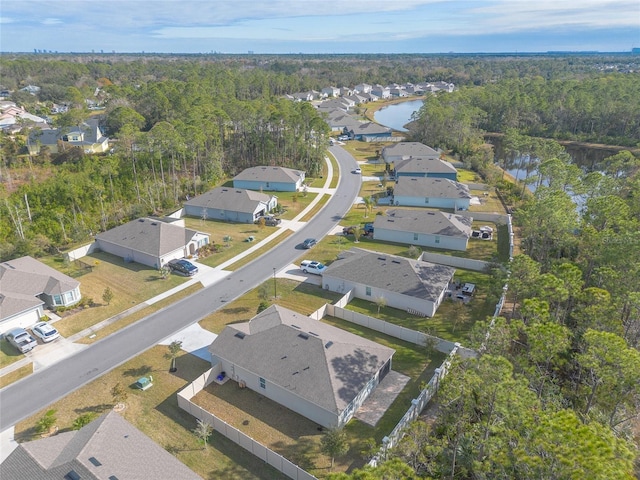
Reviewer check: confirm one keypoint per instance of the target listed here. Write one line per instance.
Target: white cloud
(51, 21)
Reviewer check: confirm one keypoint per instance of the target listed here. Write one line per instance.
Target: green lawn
(8, 353)
(301, 297)
(131, 284)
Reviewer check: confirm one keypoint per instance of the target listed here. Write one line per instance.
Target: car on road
(311, 266)
(308, 243)
(20, 338)
(357, 170)
(45, 332)
(270, 221)
(183, 267)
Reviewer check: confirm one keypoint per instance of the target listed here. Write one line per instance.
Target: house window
(263, 383)
(415, 236)
(57, 300)
(437, 239)
(267, 185)
(368, 291)
(426, 200)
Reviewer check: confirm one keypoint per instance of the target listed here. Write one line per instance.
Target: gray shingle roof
(231, 199)
(425, 221)
(149, 236)
(430, 187)
(269, 174)
(414, 278)
(409, 149)
(421, 165)
(323, 364)
(23, 278)
(106, 448)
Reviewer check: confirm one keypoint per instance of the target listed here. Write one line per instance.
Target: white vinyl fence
(274, 459)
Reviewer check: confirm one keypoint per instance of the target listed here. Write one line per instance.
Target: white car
(45, 332)
(357, 170)
(309, 266)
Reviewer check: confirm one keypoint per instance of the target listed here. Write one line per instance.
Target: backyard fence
(252, 446)
(82, 251)
(416, 408)
(456, 262)
(396, 331)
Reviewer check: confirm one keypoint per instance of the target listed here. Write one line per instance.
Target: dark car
(270, 221)
(309, 242)
(368, 228)
(183, 267)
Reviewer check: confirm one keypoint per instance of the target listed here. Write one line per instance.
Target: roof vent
(295, 326)
(304, 336)
(305, 368)
(282, 358)
(141, 220)
(314, 334)
(154, 223)
(240, 335)
(72, 475)
(328, 344)
(395, 261)
(384, 259)
(95, 461)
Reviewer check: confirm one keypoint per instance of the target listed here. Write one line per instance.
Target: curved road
(35, 392)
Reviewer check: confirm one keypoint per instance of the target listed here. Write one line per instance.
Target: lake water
(396, 116)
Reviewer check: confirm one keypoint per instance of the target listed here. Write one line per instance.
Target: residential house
(231, 204)
(27, 286)
(424, 228)
(367, 131)
(406, 150)
(431, 192)
(362, 88)
(356, 99)
(32, 89)
(346, 91)
(336, 103)
(109, 448)
(88, 137)
(398, 91)
(14, 117)
(425, 167)
(151, 242)
(415, 286)
(317, 370)
(380, 91)
(331, 91)
(274, 179)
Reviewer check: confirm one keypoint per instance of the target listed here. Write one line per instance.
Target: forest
(556, 390)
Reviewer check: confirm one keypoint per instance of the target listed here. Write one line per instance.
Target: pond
(396, 116)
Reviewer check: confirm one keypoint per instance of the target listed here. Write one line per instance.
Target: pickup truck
(20, 338)
(309, 266)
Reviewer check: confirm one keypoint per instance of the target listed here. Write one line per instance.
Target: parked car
(308, 243)
(357, 170)
(342, 138)
(269, 221)
(310, 266)
(45, 332)
(368, 228)
(20, 338)
(183, 267)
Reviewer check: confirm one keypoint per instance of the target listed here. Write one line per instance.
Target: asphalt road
(33, 393)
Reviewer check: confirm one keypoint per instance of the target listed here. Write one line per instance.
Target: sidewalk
(208, 276)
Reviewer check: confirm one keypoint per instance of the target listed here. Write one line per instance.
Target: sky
(319, 27)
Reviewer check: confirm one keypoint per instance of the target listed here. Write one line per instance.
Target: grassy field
(16, 375)
(261, 251)
(156, 413)
(301, 297)
(8, 353)
(131, 284)
(135, 316)
(297, 438)
(316, 208)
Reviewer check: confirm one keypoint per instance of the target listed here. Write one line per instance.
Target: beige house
(317, 370)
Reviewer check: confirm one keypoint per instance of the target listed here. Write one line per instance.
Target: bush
(263, 306)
